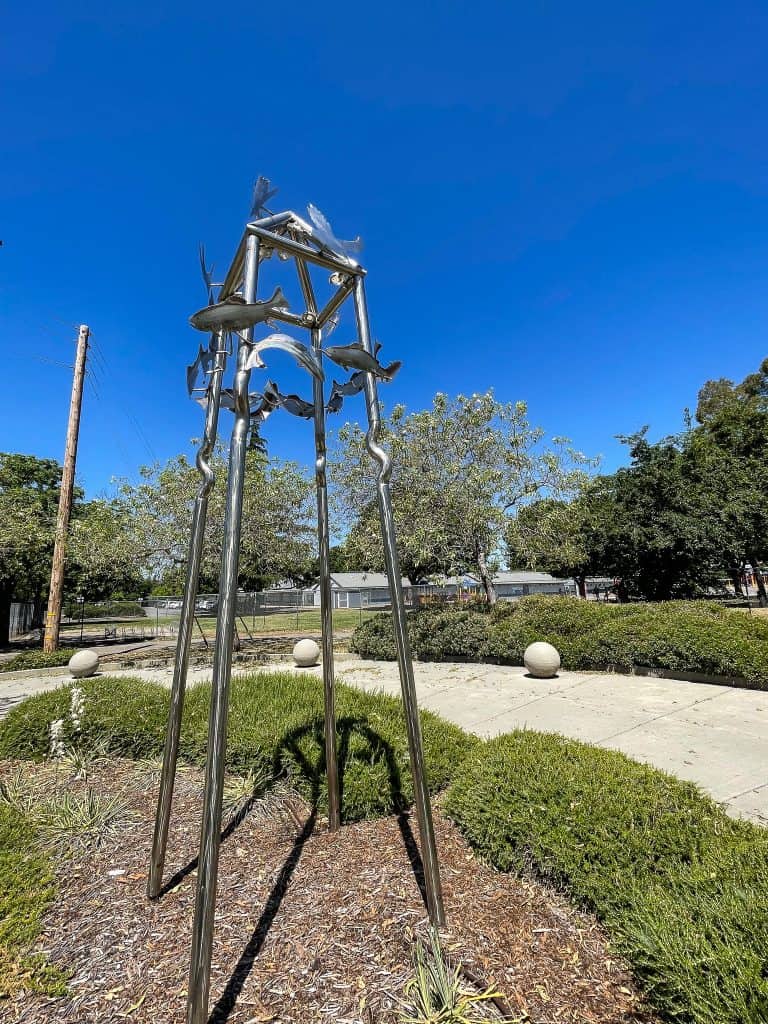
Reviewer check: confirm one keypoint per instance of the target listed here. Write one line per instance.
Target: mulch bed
(311, 926)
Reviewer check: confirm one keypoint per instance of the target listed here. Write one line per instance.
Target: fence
(22, 616)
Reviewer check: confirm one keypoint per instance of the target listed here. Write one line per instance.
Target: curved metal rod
(186, 619)
(210, 835)
(404, 658)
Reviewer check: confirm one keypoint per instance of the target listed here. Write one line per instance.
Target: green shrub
(26, 890)
(682, 887)
(37, 659)
(436, 635)
(105, 609)
(675, 636)
(275, 725)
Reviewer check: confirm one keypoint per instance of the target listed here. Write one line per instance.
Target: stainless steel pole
(186, 620)
(326, 611)
(404, 659)
(210, 837)
(324, 552)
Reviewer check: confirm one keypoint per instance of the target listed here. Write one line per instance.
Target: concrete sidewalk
(716, 736)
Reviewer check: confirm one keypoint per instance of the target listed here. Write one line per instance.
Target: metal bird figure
(355, 357)
(235, 314)
(322, 229)
(201, 366)
(300, 353)
(261, 196)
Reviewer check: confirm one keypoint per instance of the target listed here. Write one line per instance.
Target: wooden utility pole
(53, 618)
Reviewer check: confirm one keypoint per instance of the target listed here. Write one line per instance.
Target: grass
(37, 659)
(275, 730)
(26, 891)
(305, 620)
(681, 887)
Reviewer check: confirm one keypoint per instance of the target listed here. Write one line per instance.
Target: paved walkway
(716, 736)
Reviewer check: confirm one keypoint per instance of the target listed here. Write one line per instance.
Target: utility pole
(53, 618)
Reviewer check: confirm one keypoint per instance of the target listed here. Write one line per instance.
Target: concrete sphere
(306, 653)
(542, 660)
(83, 663)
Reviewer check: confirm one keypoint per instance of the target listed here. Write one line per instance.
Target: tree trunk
(485, 576)
(581, 586)
(736, 580)
(762, 595)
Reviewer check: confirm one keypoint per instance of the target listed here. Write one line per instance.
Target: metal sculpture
(233, 315)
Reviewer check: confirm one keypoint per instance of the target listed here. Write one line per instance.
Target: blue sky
(569, 204)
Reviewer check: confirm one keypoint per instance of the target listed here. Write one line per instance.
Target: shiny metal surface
(306, 252)
(186, 619)
(404, 659)
(324, 552)
(210, 839)
(335, 301)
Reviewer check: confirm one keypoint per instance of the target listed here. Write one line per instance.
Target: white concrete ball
(306, 653)
(83, 663)
(542, 660)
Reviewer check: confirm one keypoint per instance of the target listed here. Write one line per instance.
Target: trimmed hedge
(37, 659)
(275, 725)
(682, 887)
(676, 636)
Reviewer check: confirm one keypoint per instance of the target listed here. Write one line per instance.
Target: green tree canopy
(460, 469)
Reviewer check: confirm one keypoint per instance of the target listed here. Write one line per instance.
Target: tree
(277, 527)
(29, 498)
(460, 469)
(104, 553)
(549, 536)
(652, 523)
(729, 450)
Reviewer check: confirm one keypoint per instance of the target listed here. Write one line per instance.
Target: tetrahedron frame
(291, 238)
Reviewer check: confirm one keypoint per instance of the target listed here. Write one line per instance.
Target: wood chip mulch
(311, 926)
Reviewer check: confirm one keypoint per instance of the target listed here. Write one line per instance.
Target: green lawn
(307, 620)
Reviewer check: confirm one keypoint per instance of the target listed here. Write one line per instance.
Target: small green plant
(437, 993)
(241, 790)
(16, 793)
(69, 820)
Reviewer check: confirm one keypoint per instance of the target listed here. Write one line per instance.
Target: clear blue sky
(567, 202)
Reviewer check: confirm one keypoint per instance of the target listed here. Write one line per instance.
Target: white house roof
(361, 580)
(524, 576)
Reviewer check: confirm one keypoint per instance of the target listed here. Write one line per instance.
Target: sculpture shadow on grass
(356, 742)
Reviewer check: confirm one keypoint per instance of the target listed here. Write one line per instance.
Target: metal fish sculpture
(201, 366)
(291, 403)
(355, 357)
(261, 196)
(235, 314)
(300, 353)
(324, 233)
(207, 275)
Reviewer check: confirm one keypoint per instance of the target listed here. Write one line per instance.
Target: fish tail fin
(388, 372)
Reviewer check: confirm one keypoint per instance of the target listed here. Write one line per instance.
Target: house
(360, 590)
(521, 582)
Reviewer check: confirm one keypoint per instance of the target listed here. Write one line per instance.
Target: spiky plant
(437, 994)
